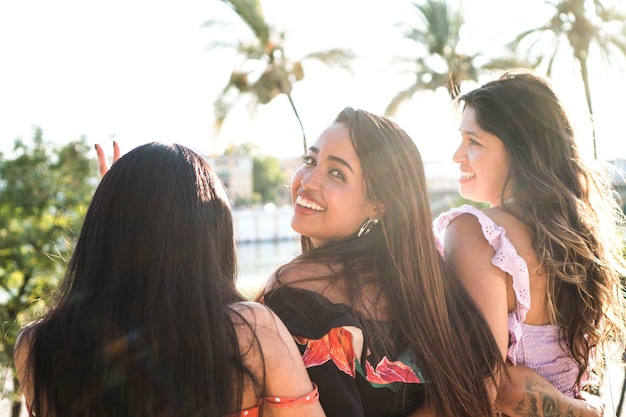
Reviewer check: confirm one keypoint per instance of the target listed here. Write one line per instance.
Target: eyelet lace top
(538, 347)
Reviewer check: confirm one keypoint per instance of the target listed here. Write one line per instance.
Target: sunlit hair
(141, 324)
(430, 312)
(570, 209)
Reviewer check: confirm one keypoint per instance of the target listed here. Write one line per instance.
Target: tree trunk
(293, 106)
(585, 74)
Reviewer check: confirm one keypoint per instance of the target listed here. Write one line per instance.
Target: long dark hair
(433, 315)
(568, 206)
(140, 325)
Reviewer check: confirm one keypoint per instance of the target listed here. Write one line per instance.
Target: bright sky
(139, 71)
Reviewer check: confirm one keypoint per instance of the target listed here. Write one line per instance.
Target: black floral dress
(351, 381)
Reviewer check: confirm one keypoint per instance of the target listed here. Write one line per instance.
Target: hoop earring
(367, 227)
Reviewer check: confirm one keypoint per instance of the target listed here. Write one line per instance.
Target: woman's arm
(469, 253)
(527, 393)
(284, 371)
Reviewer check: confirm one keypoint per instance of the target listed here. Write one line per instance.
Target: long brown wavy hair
(434, 316)
(569, 207)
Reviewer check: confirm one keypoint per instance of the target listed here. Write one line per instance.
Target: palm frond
(220, 44)
(251, 13)
(211, 23)
(335, 57)
(510, 62)
(403, 96)
(610, 43)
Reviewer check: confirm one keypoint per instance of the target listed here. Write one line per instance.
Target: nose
(310, 179)
(306, 178)
(459, 154)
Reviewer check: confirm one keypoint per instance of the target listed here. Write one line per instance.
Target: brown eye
(337, 174)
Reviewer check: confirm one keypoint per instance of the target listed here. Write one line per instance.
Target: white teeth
(467, 175)
(308, 204)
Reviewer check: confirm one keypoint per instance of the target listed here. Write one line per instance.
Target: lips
(304, 202)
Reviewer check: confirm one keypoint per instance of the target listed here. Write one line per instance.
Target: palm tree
(440, 64)
(275, 73)
(577, 27)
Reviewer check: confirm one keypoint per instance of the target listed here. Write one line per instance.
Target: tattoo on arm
(541, 400)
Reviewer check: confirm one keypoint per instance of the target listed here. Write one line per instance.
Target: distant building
(289, 165)
(235, 171)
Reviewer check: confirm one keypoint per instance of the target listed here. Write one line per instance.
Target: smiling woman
(545, 261)
(367, 301)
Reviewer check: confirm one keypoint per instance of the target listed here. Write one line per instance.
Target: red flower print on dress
(343, 345)
(387, 371)
(337, 345)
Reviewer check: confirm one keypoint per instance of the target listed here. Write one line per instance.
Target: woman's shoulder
(24, 342)
(314, 277)
(257, 326)
(503, 217)
(21, 358)
(316, 319)
(493, 234)
(467, 221)
(493, 223)
(270, 353)
(252, 315)
(516, 231)
(465, 225)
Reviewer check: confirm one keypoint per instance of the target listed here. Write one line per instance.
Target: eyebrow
(470, 133)
(333, 158)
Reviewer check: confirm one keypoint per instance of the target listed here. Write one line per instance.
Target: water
(259, 259)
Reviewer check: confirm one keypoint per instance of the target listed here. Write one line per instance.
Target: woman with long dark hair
(545, 260)
(383, 328)
(147, 320)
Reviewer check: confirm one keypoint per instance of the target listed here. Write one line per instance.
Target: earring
(367, 226)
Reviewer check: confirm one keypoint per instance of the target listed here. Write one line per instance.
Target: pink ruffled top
(538, 347)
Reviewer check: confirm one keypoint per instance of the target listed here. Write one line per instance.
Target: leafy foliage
(575, 28)
(266, 71)
(44, 193)
(440, 63)
(268, 178)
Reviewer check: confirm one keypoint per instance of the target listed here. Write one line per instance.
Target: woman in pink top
(544, 261)
(148, 321)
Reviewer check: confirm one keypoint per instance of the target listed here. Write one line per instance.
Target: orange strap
(290, 402)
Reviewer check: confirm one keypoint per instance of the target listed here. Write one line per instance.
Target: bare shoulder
(310, 276)
(23, 345)
(512, 225)
(296, 273)
(516, 231)
(250, 310)
(257, 325)
(464, 234)
(250, 316)
(266, 344)
(21, 355)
